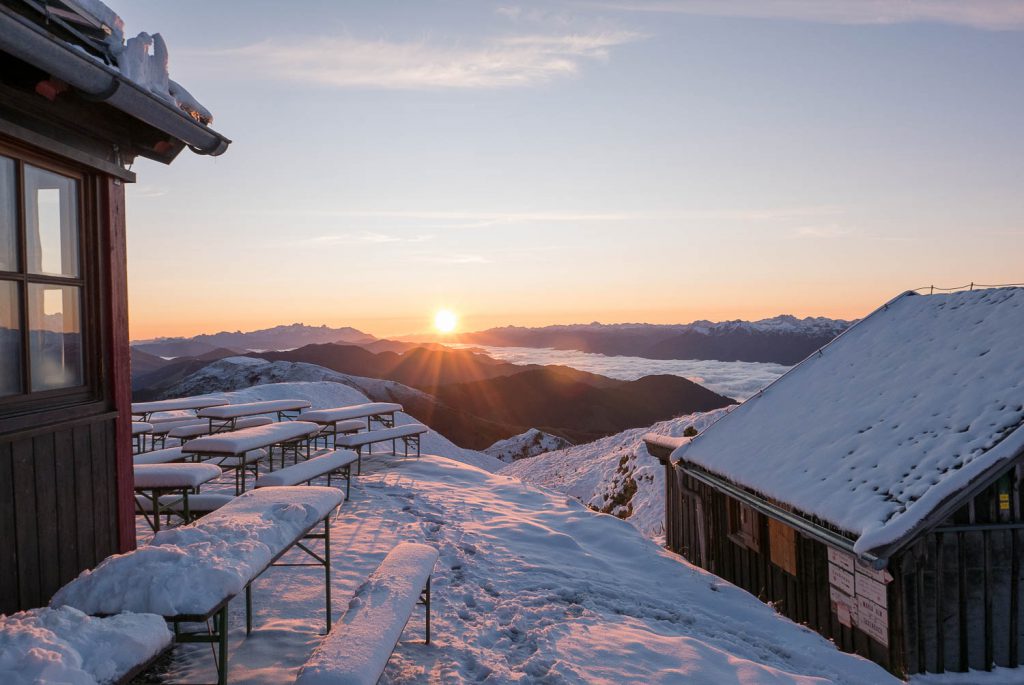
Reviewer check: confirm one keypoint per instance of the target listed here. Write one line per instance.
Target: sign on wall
(858, 594)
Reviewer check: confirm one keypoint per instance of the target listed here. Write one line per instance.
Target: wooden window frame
(29, 408)
(744, 525)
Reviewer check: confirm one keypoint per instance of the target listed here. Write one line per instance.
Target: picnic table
(139, 431)
(223, 418)
(181, 574)
(144, 410)
(230, 448)
(346, 420)
(156, 480)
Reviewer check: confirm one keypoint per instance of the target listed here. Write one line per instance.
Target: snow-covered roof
(888, 422)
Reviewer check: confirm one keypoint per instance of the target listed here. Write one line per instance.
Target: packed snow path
(531, 587)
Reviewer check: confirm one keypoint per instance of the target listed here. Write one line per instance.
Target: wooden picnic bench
(270, 516)
(139, 431)
(230, 448)
(325, 463)
(144, 410)
(224, 417)
(379, 412)
(157, 481)
(199, 428)
(358, 647)
(409, 434)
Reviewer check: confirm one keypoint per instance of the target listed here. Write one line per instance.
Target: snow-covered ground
(528, 444)
(738, 380)
(614, 475)
(531, 587)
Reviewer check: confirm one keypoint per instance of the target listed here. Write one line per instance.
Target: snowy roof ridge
(952, 413)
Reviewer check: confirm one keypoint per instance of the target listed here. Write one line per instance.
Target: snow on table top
(66, 646)
(165, 427)
(141, 427)
(348, 426)
(163, 456)
(307, 470)
(234, 411)
(237, 442)
(899, 413)
(356, 411)
(177, 404)
(148, 476)
(190, 570)
(359, 645)
(381, 435)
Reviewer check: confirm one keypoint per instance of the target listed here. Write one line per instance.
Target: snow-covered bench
(191, 573)
(139, 431)
(352, 415)
(227, 416)
(409, 434)
(358, 648)
(167, 455)
(325, 464)
(66, 646)
(199, 428)
(156, 481)
(144, 410)
(199, 504)
(230, 448)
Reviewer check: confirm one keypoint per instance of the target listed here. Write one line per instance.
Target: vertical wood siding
(58, 509)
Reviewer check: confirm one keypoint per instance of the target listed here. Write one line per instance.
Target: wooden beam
(116, 258)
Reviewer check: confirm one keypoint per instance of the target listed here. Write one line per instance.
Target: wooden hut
(77, 106)
(873, 492)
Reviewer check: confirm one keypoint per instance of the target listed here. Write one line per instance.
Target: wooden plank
(64, 463)
(961, 548)
(940, 606)
(26, 533)
(105, 544)
(8, 559)
(82, 446)
(1014, 631)
(987, 598)
(46, 515)
(120, 358)
(782, 546)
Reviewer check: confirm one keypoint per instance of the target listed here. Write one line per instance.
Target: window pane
(51, 222)
(55, 336)
(8, 217)
(10, 339)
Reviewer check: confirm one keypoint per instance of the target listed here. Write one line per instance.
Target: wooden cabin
(73, 118)
(874, 492)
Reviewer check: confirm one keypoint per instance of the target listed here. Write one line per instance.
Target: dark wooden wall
(963, 583)
(695, 510)
(58, 508)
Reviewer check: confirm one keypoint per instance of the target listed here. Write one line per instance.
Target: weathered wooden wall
(695, 510)
(58, 508)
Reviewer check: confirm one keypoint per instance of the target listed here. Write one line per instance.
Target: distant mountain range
(470, 398)
(782, 340)
(276, 338)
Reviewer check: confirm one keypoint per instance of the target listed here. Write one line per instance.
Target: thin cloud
(451, 259)
(821, 231)
(501, 62)
(991, 15)
(351, 238)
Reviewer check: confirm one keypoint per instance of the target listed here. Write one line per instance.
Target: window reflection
(10, 339)
(8, 216)
(55, 336)
(51, 222)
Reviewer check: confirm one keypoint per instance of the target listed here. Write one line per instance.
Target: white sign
(843, 560)
(873, 620)
(842, 579)
(871, 589)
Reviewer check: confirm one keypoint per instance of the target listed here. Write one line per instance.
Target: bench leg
(426, 602)
(248, 609)
(348, 481)
(359, 461)
(222, 634)
(327, 571)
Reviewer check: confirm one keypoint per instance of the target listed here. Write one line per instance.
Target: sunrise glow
(445, 321)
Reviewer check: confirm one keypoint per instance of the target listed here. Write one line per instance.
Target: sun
(445, 321)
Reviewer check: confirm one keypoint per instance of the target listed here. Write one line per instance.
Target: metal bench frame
(218, 633)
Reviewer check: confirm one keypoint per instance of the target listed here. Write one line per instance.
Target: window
(744, 525)
(41, 280)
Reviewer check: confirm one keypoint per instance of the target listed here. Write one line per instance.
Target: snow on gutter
(34, 45)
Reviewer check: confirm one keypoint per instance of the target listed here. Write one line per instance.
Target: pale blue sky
(570, 161)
